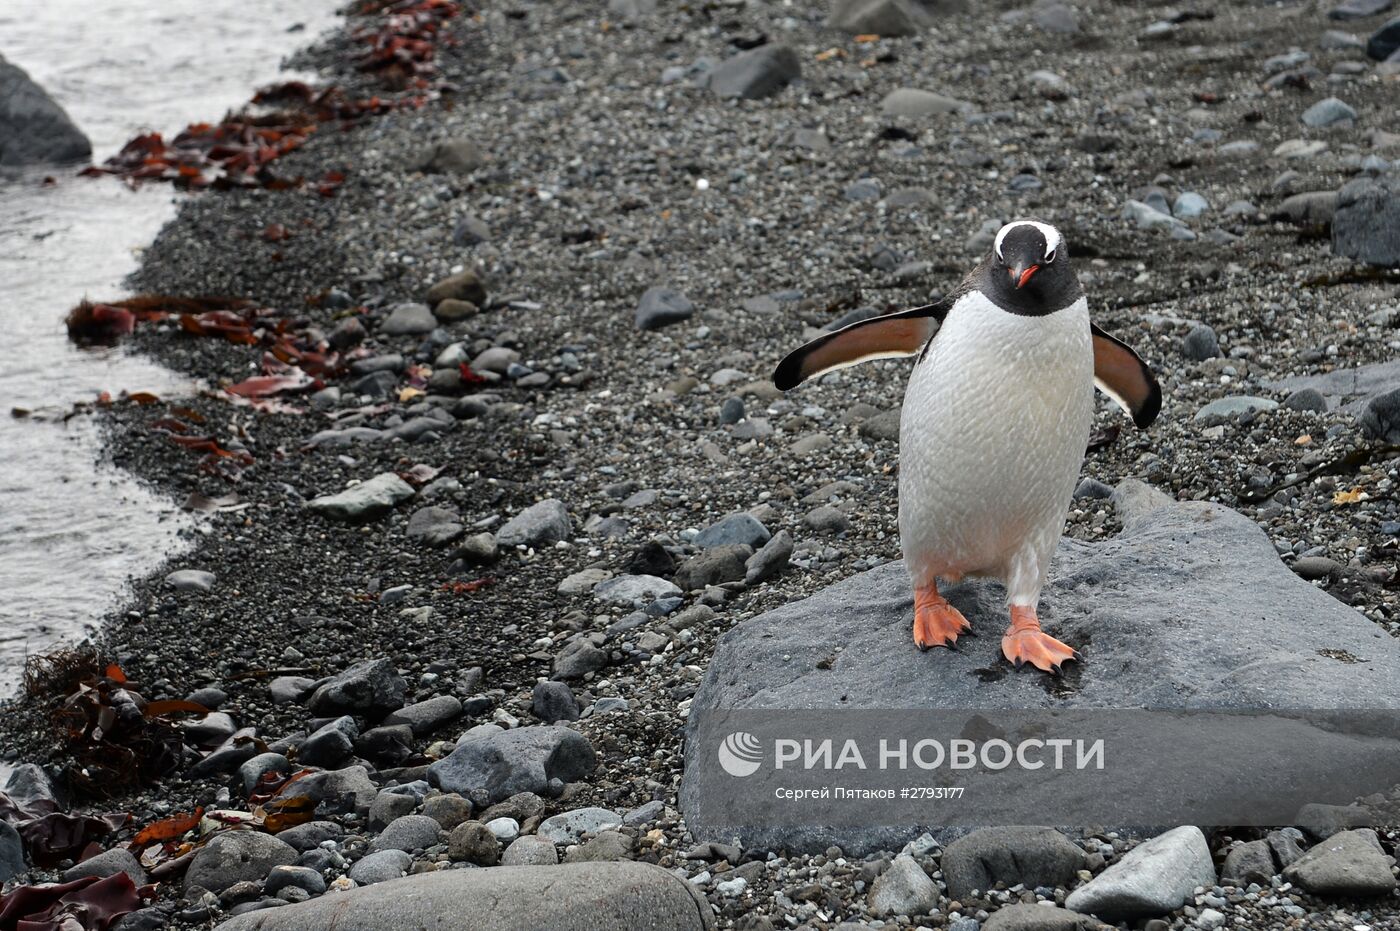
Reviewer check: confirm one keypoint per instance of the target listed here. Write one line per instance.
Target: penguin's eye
(1049, 256)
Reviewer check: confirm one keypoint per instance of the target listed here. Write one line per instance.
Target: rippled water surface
(73, 530)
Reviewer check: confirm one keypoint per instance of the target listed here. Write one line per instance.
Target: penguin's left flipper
(1122, 375)
(887, 337)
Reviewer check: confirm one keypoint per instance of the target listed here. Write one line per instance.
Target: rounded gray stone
(623, 894)
(407, 833)
(238, 856)
(381, 866)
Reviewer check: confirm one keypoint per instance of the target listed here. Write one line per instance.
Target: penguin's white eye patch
(1049, 256)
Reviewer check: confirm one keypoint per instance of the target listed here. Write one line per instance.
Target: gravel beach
(619, 219)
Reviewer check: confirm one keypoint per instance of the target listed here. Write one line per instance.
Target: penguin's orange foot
(1025, 642)
(1037, 648)
(936, 623)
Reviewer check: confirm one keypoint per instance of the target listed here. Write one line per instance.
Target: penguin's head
(1030, 270)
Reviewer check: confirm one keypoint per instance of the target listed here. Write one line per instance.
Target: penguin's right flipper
(888, 337)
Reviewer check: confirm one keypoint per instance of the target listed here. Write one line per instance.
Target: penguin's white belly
(995, 421)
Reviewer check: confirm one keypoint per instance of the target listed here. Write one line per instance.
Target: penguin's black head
(1028, 271)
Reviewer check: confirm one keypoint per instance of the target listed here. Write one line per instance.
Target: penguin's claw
(936, 623)
(1036, 647)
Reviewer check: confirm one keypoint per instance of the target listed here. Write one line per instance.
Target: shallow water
(74, 530)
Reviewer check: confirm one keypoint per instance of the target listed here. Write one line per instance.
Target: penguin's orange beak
(1022, 275)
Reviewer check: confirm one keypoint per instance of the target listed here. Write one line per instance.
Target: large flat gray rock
(618, 896)
(1348, 388)
(1188, 608)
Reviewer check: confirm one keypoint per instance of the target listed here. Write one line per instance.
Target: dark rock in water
(34, 129)
(1384, 41)
(661, 307)
(1380, 418)
(1034, 856)
(235, 857)
(760, 72)
(554, 701)
(1366, 223)
(1188, 572)
(491, 767)
(11, 853)
(1347, 863)
(370, 688)
(1250, 862)
(622, 894)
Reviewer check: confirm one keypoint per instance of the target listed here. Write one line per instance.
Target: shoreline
(571, 209)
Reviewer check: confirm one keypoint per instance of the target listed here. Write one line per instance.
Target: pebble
(409, 320)
(380, 867)
(1328, 112)
(662, 307)
(569, 827)
(903, 889)
(190, 580)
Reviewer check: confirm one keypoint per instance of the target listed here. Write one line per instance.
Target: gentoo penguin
(994, 428)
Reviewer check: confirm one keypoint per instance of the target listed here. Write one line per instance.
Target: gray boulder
(336, 790)
(372, 688)
(409, 320)
(1350, 863)
(1155, 877)
(903, 889)
(11, 853)
(1366, 222)
(570, 897)
(1179, 572)
(879, 17)
(1250, 862)
(492, 767)
(473, 842)
(238, 856)
(554, 701)
(660, 307)
(914, 103)
(108, 863)
(733, 529)
(1035, 856)
(1350, 389)
(364, 502)
(759, 72)
(1201, 343)
(303, 837)
(34, 129)
(1380, 418)
(541, 524)
(771, 559)
(434, 526)
(1039, 918)
(378, 867)
(424, 717)
(634, 591)
(530, 850)
(569, 827)
(408, 833)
